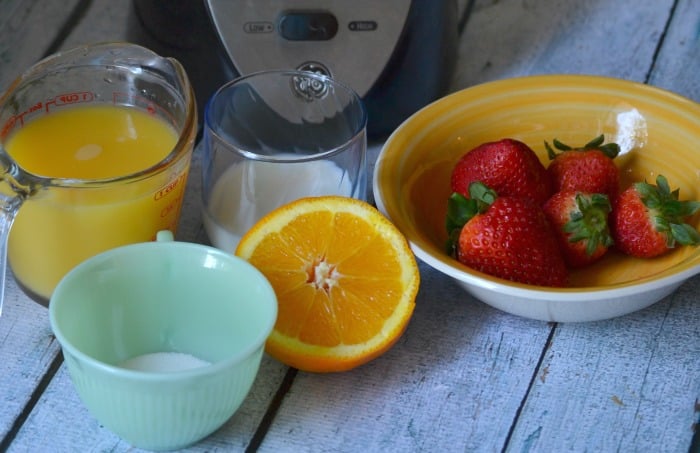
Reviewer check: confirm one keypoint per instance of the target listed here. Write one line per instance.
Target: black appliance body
(397, 54)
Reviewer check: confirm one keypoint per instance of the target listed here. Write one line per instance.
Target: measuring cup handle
(9, 205)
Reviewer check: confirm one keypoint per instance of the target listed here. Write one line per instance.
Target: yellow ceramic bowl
(658, 131)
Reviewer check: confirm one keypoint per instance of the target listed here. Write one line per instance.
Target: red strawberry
(587, 169)
(509, 167)
(507, 237)
(648, 220)
(581, 223)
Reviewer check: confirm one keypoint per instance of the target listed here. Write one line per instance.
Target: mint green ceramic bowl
(187, 303)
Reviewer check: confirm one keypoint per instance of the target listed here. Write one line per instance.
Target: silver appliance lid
(349, 40)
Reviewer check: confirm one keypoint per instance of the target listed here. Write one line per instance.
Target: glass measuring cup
(51, 219)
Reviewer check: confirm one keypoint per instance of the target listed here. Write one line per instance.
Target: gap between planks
(535, 373)
(31, 403)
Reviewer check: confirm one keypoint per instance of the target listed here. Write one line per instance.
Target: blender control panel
(349, 40)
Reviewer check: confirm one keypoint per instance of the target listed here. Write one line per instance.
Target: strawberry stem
(611, 149)
(461, 209)
(590, 222)
(668, 213)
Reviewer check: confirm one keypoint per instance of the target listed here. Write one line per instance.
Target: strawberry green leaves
(580, 199)
(590, 222)
(649, 220)
(668, 213)
(461, 209)
(610, 149)
(580, 221)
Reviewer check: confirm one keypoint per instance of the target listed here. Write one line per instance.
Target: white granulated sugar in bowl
(164, 362)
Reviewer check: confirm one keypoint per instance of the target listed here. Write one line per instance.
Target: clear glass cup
(273, 137)
(51, 221)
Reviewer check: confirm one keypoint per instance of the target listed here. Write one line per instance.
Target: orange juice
(62, 225)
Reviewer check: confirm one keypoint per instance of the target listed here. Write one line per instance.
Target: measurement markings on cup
(169, 188)
(143, 102)
(18, 120)
(59, 100)
(62, 100)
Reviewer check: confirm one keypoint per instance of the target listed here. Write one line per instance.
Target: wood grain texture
(27, 349)
(497, 44)
(464, 377)
(27, 31)
(624, 372)
(454, 382)
(102, 21)
(677, 67)
(27, 345)
(627, 384)
(61, 423)
(514, 38)
(634, 378)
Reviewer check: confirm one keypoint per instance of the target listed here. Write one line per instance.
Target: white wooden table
(464, 377)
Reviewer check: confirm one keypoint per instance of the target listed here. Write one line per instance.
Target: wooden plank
(61, 423)
(440, 407)
(635, 377)
(27, 346)
(457, 377)
(628, 384)
(27, 30)
(508, 39)
(453, 382)
(102, 21)
(677, 66)
(27, 349)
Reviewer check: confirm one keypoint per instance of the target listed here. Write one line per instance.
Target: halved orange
(345, 278)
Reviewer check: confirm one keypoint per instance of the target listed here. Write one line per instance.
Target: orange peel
(345, 279)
